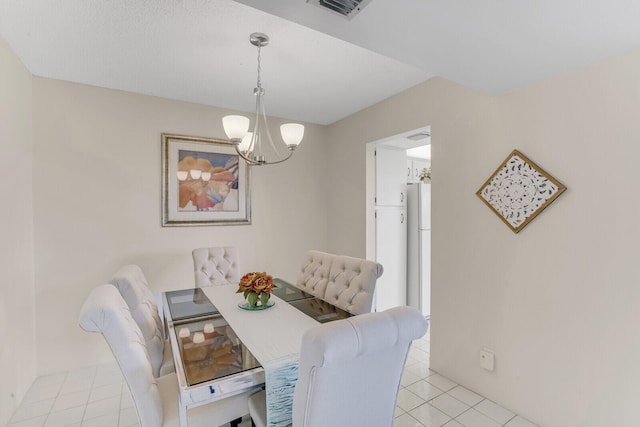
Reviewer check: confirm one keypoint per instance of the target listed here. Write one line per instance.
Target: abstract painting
(204, 182)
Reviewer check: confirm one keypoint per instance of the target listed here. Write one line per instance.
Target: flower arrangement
(256, 287)
(425, 175)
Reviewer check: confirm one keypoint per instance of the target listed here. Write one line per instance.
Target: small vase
(252, 299)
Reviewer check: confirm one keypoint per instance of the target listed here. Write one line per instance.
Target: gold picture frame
(204, 182)
(519, 190)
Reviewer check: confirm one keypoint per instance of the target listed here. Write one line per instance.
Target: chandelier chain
(259, 81)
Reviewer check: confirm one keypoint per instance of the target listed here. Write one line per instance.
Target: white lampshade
(198, 337)
(206, 176)
(246, 142)
(292, 134)
(195, 173)
(235, 127)
(182, 175)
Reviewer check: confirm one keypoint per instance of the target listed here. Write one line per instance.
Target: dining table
(221, 347)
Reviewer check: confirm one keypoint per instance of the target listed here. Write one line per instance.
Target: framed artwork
(204, 182)
(519, 190)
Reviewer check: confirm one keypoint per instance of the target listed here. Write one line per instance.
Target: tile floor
(427, 399)
(98, 397)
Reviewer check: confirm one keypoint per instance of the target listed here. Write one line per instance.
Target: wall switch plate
(487, 361)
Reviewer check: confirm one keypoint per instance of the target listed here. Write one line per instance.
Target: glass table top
(287, 292)
(210, 350)
(320, 310)
(189, 303)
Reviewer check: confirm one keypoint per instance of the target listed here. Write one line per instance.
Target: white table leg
(183, 415)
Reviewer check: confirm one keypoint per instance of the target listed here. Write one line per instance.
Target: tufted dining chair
(350, 370)
(155, 399)
(215, 266)
(314, 273)
(352, 282)
(134, 288)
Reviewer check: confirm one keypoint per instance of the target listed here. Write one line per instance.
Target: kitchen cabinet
(391, 181)
(415, 167)
(391, 252)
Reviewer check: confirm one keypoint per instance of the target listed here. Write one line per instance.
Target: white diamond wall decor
(519, 190)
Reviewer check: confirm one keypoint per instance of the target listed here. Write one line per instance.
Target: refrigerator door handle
(401, 218)
(401, 197)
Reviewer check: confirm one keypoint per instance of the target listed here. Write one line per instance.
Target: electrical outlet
(487, 359)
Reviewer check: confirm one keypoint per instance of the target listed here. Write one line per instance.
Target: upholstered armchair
(352, 282)
(134, 288)
(314, 273)
(350, 370)
(155, 399)
(346, 282)
(215, 266)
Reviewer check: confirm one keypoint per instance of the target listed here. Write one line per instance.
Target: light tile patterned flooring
(98, 397)
(431, 400)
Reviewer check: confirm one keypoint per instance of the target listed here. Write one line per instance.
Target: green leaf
(252, 299)
(264, 298)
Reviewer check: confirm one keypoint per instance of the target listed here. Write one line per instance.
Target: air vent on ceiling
(345, 8)
(419, 136)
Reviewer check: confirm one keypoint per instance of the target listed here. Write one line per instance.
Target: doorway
(391, 221)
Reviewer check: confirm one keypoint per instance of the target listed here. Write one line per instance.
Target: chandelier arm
(280, 160)
(247, 159)
(266, 127)
(255, 162)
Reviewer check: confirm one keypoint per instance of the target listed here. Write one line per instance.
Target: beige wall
(453, 112)
(559, 303)
(17, 310)
(97, 190)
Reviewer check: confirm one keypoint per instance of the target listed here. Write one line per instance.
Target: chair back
(132, 285)
(350, 370)
(314, 273)
(352, 282)
(105, 311)
(215, 266)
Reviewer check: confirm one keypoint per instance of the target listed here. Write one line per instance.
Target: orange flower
(256, 282)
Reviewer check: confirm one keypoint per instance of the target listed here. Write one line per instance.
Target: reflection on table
(210, 350)
(287, 292)
(320, 310)
(189, 304)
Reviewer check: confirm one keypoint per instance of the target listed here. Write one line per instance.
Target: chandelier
(257, 147)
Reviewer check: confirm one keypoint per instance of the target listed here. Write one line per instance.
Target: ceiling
(318, 67)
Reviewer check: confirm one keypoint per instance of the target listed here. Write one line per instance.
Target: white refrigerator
(419, 247)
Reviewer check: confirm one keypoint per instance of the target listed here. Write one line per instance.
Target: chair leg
(236, 422)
